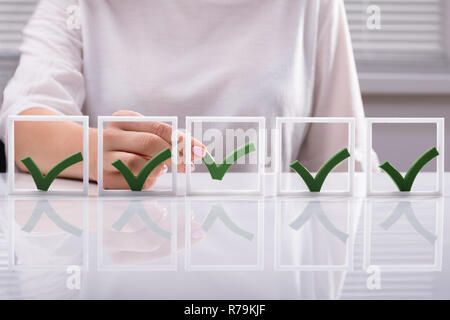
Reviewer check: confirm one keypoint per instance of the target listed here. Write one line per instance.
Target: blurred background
(402, 48)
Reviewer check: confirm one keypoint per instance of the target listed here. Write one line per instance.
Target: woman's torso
(191, 58)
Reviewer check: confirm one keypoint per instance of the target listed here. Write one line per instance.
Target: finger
(182, 168)
(133, 161)
(132, 257)
(126, 113)
(121, 113)
(112, 179)
(197, 232)
(149, 183)
(142, 143)
(146, 145)
(154, 210)
(198, 150)
(160, 129)
(115, 181)
(144, 240)
(163, 130)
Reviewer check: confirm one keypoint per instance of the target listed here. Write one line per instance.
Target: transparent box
(403, 235)
(228, 235)
(23, 184)
(408, 138)
(166, 184)
(138, 235)
(48, 234)
(221, 136)
(340, 180)
(315, 235)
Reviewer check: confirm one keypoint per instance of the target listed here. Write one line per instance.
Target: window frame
(371, 82)
(399, 83)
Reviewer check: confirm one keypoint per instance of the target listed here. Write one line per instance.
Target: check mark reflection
(217, 211)
(44, 206)
(134, 207)
(315, 209)
(405, 208)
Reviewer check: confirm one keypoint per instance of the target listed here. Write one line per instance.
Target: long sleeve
(49, 74)
(336, 90)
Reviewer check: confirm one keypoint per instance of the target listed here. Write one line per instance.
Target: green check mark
(315, 184)
(218, 171)
(43, 183)
(136, 183)
(404, 184)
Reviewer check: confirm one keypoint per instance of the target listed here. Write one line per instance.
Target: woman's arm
(49, 81)
(50, 142)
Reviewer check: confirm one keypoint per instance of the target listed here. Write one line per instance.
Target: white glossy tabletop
(223, 247)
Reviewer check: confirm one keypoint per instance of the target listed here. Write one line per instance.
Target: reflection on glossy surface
(404, 208)
(43, 206)
(136, 207)
(217, 211)
(324, 241)
(314, 208)
(410, 266)
(281, 248)
(408, 238)
(45, 238)
(135, 235)
(50, 236)
(231, 227)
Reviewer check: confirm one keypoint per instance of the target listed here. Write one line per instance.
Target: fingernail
(164, 169)
(198, 234)
(199, 151)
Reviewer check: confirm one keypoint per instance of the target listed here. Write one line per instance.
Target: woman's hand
(132, 142)
(135, 143)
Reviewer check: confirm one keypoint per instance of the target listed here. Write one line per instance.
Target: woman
(185, 58)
